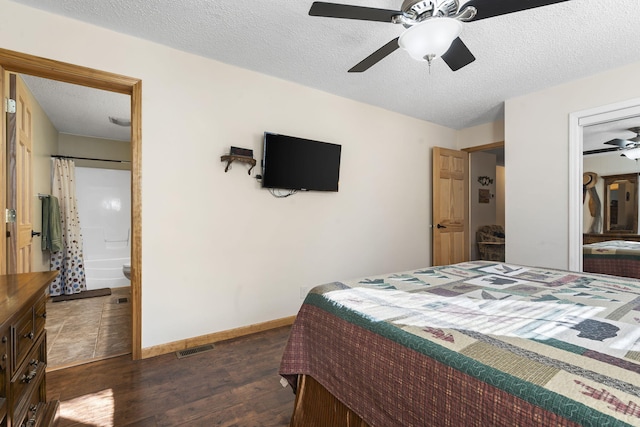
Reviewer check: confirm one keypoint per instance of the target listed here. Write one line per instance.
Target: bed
(472, 344)
(615, 257)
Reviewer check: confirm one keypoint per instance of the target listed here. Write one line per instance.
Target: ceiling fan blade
(334, 10)
(622, 143)
(458, 55)
(375, 57)
(599, 150)
(491, 8)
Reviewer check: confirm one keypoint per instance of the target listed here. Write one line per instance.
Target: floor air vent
(195, 350)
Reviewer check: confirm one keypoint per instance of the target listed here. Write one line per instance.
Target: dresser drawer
(4, 351)
(4, 374)
(39, 414)
(30, 375)
(29, 415)
(39, 315)
(23, 351)
(23, 335)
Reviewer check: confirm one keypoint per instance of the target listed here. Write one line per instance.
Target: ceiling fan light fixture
(119, 121)
(633, 154)
(430, 38)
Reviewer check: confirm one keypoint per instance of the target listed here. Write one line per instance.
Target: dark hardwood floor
(235, 384)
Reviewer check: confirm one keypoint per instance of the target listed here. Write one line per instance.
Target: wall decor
(589, 180)
(485, 180)
(484, 195)
(243, 155)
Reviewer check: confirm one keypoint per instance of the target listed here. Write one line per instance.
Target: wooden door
(3, 173)
(19, 178)
(24, 177)
(450, 203)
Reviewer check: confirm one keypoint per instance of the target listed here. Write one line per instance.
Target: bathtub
(106, 273)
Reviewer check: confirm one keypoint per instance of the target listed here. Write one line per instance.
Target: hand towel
(45, 238)
(51, 225)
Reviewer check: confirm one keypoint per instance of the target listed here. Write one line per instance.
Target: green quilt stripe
(571, 348)
(529, 392)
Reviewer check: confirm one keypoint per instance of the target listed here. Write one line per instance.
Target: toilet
(126, 269)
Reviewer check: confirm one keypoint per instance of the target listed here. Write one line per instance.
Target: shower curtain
(70, 260)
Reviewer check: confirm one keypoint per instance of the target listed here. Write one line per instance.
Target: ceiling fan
(432, 27)
(628, 147)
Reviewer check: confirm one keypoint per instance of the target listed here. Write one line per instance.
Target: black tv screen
(300, 164)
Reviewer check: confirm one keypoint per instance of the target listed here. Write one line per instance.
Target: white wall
(95, 148)
(218, 251)
(45, 143)
(536, 155)
(483, 134)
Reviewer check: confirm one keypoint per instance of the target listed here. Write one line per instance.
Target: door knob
(35, 233)
(441, 226)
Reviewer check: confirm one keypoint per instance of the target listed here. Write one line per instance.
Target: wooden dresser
(23, 351)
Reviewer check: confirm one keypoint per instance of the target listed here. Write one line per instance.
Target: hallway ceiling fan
(432, 27)
(628, 147)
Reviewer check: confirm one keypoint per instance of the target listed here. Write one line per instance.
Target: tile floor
(85, 330)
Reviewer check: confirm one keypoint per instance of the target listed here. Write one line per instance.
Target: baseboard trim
(170, 347)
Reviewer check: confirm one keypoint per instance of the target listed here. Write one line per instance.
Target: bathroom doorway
(72, 122)
(50, 69)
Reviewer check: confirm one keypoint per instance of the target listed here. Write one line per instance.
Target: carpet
(84, 294)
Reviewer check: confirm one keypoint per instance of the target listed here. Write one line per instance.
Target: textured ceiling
(80, 110)
(516, 54)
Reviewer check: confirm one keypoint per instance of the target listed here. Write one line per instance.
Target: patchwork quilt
(514, 345)
(615, 257)
(621, 247)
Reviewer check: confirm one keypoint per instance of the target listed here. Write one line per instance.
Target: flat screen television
(300, 164)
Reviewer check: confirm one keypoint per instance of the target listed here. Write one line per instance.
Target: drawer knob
(29, 335)
(44, 315)
(4, 340)
(27, 378)
(31, 421)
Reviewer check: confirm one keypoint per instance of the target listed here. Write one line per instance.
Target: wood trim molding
(69, 73)
(51, 69)
(499, 144)
(577, 121)
(215, 337)
(136, 220)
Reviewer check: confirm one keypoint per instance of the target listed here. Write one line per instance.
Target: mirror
(621, 203)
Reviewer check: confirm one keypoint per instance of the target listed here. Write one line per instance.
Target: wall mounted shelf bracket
(242, 159)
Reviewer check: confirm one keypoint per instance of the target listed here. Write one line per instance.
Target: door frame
(55, 70)
(3, 174)
(578, 120)
(471, 150)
